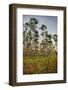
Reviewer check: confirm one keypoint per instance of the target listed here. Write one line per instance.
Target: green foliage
(40, 64)
(55, 37)
(30, 33)
(43, 27)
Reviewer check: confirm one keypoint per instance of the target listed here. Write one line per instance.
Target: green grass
(39, 64)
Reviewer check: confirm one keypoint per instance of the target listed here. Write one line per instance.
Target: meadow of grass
(39, 64)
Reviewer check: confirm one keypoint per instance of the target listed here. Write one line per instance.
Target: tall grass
(39, 64)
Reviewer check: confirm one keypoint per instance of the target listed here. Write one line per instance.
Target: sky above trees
(49, 21)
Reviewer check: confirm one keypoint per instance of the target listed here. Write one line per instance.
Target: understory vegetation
(40, 64)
